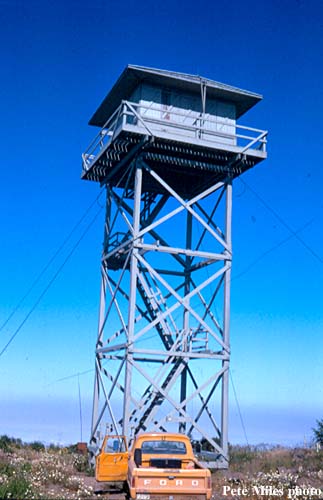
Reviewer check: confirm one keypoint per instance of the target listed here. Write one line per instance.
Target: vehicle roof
(159, 435)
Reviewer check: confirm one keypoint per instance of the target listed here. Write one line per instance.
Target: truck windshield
(164, 447)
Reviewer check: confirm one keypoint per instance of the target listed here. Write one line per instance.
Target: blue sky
(59, 59)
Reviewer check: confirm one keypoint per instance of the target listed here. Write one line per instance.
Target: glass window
(115, 445)
(164, 447)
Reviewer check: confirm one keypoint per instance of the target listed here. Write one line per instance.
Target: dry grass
(278, 472)
(33, 472)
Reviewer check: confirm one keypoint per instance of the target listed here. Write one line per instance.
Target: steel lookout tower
(168, 150)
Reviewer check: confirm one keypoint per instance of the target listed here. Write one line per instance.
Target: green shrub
(54, 447)
(240, 455)
(15, 487)
(26, 467)
(318, 432)
(5, 442)
(81, 464)
(17, 442)
(72, 448)
(7, 469)
(37, 446)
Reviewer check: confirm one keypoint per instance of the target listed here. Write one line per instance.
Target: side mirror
(138, 457)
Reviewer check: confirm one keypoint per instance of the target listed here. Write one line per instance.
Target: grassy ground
(278, 472)
(33, 472)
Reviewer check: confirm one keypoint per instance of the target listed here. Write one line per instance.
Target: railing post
(123, 113)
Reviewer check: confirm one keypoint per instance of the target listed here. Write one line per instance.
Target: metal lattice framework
(161, 351)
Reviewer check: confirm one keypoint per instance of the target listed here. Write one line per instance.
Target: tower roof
(133, 75)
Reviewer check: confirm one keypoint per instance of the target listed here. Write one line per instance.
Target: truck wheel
(126, 491)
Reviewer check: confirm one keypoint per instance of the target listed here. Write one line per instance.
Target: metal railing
(157, 120)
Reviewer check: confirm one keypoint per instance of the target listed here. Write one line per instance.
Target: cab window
(115, 445)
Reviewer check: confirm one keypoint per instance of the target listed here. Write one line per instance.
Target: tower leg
(132, 302)
(186, 318)
(226, 323)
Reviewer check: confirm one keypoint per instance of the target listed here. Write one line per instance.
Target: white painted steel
(163, 350)
(146, 117)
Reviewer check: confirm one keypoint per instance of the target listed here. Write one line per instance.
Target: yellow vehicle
(111, 465)
(158, 465)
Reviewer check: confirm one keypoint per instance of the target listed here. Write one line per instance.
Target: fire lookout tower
(167, 152)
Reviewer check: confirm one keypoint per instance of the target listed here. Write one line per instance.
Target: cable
(74, 375)
(266, 252)
(239, 411)
(68, 377)
(51, 260)
(50, 283)
(283, 222)
(57, 272)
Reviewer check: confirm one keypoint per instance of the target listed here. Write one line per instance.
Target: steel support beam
(132, 303)
(166, 267)
(226, 323)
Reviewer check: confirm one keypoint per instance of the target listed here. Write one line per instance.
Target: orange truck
(158, 465)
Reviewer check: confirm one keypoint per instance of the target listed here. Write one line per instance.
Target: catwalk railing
(174, 123)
